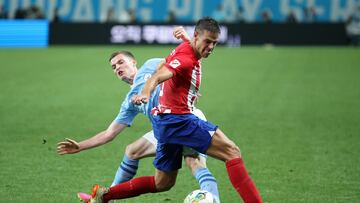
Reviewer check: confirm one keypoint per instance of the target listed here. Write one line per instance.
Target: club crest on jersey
(174, 63)
(147, 76)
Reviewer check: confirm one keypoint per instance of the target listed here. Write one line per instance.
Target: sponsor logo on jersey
(174, 63)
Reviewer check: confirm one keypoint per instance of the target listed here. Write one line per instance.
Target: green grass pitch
(293, 111)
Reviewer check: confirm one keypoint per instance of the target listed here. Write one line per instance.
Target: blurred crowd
(33, 12)
(353, 27)
(308, 15)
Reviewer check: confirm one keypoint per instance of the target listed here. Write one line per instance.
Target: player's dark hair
(208, 24)
(126, 53)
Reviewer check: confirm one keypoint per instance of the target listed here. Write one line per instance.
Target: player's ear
(196, 34)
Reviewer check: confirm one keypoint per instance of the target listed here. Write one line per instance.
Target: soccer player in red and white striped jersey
(174, 124)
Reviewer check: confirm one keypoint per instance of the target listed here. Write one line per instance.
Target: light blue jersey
(128, 110)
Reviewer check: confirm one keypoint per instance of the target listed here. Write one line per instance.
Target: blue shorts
(173, 131)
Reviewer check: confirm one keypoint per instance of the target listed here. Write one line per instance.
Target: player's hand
(180, 33)
(68, 146)
(140, 99)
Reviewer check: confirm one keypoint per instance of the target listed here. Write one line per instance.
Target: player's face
(205, 42)
(124, 67)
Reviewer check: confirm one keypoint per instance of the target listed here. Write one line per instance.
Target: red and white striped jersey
(177, 94)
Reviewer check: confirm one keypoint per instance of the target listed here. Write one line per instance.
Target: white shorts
(149, 136)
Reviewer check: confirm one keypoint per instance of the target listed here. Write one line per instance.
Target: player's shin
(242, 182)
(207, 182)
(126, 171)
(132, 188)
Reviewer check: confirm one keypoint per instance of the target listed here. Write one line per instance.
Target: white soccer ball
(199, 196)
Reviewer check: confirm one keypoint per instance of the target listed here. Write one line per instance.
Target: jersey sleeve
(178, 64)
(126, 114)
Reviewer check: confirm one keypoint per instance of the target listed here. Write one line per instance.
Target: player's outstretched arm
(180, 33)
(161, 74)
(69, 146)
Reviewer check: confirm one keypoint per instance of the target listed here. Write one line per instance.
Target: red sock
(132, 188)
(242, 182)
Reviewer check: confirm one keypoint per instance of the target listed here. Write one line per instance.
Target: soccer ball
(199, 196)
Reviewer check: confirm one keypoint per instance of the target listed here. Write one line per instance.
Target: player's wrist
(80, 147)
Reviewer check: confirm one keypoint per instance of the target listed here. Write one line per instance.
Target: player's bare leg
(224, 149)
(164, 181)
(195, 163)
(139, 149)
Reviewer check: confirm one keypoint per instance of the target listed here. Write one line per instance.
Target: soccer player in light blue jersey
(124, 66)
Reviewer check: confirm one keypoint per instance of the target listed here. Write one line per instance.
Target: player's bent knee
(195, 163)
(236, 151)
(223, 148)
(198, 162)
(233, 152)
(131, 152)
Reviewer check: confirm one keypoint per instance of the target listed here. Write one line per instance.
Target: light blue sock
(126, 170)
(207, 182)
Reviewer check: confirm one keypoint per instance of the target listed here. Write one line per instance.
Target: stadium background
(293, 110)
